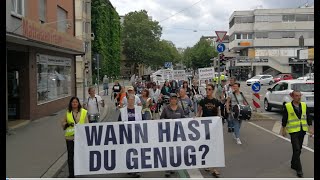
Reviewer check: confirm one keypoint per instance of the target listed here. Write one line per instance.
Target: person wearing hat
(172, 111)
(137, 101)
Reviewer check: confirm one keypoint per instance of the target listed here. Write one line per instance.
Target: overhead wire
(180, 11)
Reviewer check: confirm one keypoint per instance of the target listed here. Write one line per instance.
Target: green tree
(199, 55)
(107, 29)
(140, 38)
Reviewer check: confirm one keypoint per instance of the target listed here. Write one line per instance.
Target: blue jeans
(195, 106)
(237, 124)
(146, 116)
(229, 121)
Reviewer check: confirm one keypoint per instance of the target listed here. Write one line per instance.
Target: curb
(57, 167)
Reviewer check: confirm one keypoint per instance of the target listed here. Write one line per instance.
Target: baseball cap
(130, 88)
(173, 95)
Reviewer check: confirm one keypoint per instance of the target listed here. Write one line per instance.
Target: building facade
(83, 32)
(268, 39)
(40, 62)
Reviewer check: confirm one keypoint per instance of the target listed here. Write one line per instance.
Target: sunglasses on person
(209, 89)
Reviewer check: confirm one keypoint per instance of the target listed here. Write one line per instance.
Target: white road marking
(194, 173)
(276, 127)
(306, 140)
(270, 113)
(253, 124)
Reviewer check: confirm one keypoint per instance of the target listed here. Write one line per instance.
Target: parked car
(278, 95)
(281, 77)
(307, 77)
(262, 79)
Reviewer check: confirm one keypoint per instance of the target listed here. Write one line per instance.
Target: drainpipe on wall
(74, 60)
(7, 127)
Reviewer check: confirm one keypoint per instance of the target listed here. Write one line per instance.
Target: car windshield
(303, 87)
(256, 77)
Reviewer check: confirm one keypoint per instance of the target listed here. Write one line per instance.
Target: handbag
(241, 112)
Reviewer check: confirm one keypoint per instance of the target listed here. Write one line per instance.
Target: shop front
(40, 71)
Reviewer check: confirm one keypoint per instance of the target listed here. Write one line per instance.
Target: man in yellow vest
(296, 121)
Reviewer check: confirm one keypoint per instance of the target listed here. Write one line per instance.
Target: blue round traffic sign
(256, 87)
(221, 47)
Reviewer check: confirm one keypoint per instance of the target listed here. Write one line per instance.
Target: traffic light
(222, 61)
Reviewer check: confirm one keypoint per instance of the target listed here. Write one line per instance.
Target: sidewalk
(33, 149)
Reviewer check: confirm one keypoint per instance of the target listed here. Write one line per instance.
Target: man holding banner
(209, 106)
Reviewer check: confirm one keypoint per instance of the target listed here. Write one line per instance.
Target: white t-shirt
(92, 104)
(154, 95)
(136, 101)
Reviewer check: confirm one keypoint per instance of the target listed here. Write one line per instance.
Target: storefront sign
(245, 43)
(53, 60)
(39, 32)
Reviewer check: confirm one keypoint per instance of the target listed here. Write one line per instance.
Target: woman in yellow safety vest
(75, 115)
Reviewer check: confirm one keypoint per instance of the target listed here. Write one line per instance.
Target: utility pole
(98, 67)
(301, 45)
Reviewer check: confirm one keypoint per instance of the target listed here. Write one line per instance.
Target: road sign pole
(219, 70)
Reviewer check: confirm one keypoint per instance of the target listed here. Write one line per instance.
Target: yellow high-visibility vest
(70, 130)
(222, 77)
(294, 123)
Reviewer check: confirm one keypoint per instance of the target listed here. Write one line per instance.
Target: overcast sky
(205, 17)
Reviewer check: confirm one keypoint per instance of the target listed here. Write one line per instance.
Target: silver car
(262, 79)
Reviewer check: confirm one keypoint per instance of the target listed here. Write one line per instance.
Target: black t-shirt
(209, 107)
(116, 88)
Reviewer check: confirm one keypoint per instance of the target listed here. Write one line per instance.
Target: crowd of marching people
(173, 100)
(149, 101)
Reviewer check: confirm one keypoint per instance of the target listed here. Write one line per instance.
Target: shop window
(17, 7)
(53, 78)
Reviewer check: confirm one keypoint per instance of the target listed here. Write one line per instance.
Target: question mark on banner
(206, 150)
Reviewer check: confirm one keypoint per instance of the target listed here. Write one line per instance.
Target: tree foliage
(107, 29)
(199, 55)
(140, 37)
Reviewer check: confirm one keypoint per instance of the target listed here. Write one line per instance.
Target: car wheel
(270, 83)
(267, 106)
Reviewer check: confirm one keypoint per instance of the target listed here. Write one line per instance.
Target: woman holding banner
(172, 111)
(209, 106)
(75, 115)
(131, 112)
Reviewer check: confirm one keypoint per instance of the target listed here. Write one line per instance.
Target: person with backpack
(93, 104)
(235, 98)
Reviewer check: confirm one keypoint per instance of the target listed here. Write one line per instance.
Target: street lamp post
(301, 45)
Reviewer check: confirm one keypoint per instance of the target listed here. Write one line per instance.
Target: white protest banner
(206, 73)
(179, 75)
(168, 74)
(155, 145)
